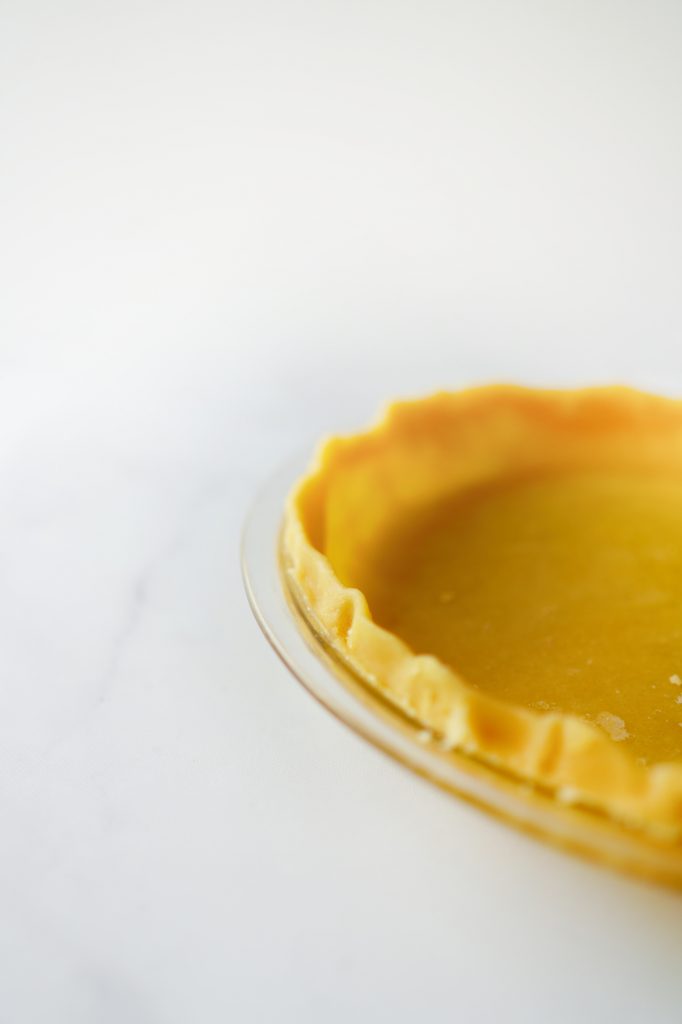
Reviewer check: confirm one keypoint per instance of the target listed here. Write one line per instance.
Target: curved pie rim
(562, 753)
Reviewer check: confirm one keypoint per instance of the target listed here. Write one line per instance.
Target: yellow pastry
(505, 566)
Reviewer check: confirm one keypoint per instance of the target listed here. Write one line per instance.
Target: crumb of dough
(613, 725)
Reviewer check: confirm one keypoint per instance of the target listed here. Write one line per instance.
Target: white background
(227, 229)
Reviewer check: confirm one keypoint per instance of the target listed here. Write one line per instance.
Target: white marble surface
(228, 228)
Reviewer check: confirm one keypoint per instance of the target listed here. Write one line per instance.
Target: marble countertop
(224, 243)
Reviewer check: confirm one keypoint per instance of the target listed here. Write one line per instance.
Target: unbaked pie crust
(504, 565)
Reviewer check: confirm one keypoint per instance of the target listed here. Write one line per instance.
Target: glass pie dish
(314, 663)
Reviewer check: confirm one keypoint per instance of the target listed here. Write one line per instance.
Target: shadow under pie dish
(504, 566)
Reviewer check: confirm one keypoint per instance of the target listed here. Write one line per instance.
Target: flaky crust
(419, 452)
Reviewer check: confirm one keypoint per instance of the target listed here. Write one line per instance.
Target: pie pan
(315, 664)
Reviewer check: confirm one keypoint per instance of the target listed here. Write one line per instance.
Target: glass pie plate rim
(371, 716)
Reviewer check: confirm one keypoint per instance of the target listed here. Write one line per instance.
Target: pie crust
(424, 454)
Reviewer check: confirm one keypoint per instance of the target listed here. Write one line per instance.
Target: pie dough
(505, 566)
